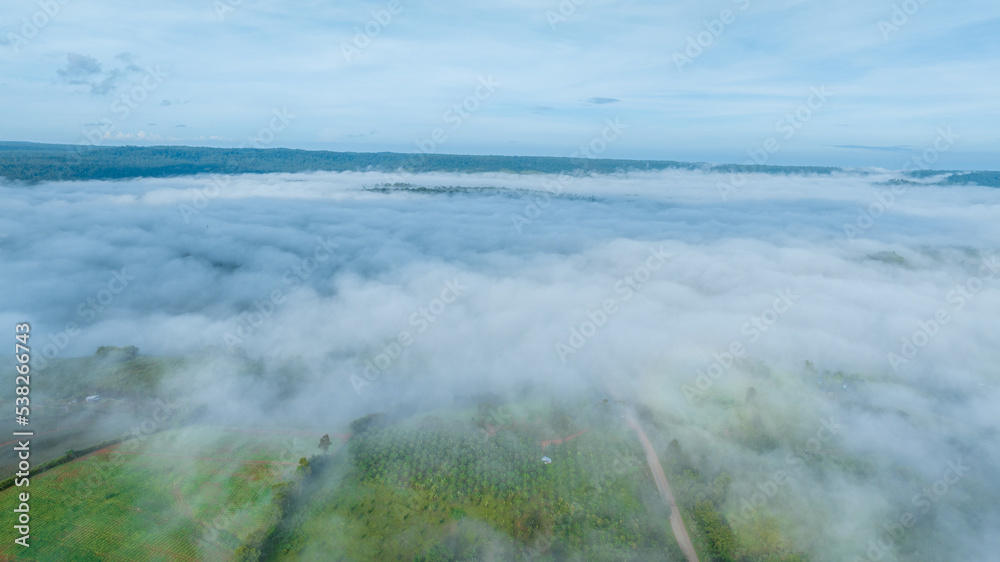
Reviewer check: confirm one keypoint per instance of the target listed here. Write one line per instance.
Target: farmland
(190, 494)
(459, 482)
(470, 484)
(437, 486)
(62, 419)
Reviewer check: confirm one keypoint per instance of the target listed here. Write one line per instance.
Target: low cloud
(324, 271)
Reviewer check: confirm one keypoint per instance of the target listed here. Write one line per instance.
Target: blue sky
(559, 72)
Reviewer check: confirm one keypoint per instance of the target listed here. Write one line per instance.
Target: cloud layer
(448, 285)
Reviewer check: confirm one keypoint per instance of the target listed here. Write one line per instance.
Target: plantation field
(437, 488)
(189, 494)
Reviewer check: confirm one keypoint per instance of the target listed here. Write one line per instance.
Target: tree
(370, 422)
(126, 353)
(324, 442)
(246, 554)
(719, 536)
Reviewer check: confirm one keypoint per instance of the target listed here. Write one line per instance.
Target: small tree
(324, 442)
(375, 421)
(246, 554)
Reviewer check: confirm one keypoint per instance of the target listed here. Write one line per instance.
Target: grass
(193, 494)
(454, 484)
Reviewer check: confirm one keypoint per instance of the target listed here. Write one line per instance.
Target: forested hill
(32, 162)
(35, 162)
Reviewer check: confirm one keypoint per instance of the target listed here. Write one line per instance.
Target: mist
(679, 291)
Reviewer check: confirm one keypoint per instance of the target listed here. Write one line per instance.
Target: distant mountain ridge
(38, 162)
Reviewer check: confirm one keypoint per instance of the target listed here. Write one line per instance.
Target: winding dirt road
(676, 523)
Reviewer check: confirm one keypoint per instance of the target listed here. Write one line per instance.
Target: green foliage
(246, 554)
(674, 448)
(109, 506)
(701, 495)
(370, 422)
(112, 372)
(432, 457)
(32, 162)
(69, 456)
(891, 258)
(719, 487)
(721, 541)
(110, 352)
(985, 179)
(588, 502)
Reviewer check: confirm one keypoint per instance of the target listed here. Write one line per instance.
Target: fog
(676, 290)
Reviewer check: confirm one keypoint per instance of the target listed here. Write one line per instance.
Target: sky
(358, 299)
(501, 283)
(693, 81)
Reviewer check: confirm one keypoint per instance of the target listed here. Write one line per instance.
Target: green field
(450, 484)
(442, 487)
(191, 494)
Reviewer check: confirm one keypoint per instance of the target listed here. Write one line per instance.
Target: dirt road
(676, 523)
